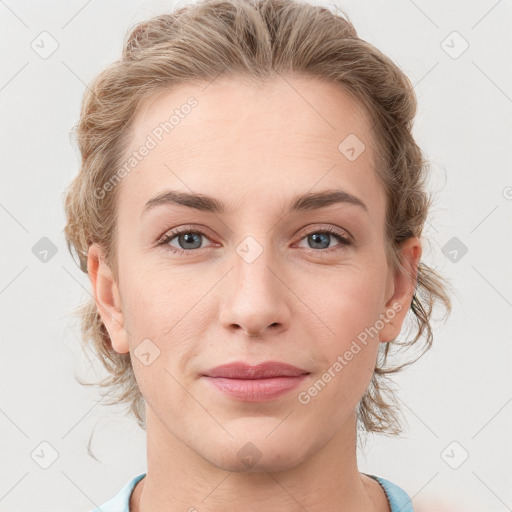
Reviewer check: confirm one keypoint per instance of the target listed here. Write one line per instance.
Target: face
(253, 279)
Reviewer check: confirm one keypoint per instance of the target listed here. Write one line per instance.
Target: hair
(255, 40)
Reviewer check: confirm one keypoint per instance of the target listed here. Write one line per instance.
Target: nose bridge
(253, 263)
(255, 251)
(254, 296)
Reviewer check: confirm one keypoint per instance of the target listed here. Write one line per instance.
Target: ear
(108, 299)
(402, 290)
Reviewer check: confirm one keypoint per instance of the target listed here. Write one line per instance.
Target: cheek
(155, 301)
(164, 326)
(347, 357)
(170, 313)
(351, 307)
(352, 303)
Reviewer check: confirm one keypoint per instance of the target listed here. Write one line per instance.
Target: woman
(249, 210)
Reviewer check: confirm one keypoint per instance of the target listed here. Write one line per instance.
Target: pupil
(317, 239)
(189, 239)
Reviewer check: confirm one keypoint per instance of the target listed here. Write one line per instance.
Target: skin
(253, 148)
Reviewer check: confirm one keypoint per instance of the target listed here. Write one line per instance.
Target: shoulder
(398, 499)
(121, 501)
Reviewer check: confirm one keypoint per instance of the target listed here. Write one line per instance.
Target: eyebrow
(306, 202)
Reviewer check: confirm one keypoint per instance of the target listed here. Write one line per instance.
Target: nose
(256, 297)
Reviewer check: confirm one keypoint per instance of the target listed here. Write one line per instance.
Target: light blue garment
(399, 500)
(121, 501)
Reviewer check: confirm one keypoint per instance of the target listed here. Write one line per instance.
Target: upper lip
(265, 370)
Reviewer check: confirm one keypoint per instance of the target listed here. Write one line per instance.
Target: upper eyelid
(312, 229)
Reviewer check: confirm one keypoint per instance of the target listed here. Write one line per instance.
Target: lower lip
(256, 390)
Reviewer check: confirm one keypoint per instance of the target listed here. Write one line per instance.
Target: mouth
(255, 383)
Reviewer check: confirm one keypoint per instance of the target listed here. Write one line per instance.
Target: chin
(258, 456)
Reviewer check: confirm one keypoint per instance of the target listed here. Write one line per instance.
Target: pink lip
(258, 383)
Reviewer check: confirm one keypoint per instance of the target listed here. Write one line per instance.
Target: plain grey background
(457, 399)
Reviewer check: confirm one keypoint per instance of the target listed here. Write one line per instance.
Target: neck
(179, 479)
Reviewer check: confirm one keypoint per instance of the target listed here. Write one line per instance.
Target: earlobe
(107, 297)
(404, 287)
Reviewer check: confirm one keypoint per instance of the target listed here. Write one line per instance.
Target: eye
(321, 238)
(187, 239)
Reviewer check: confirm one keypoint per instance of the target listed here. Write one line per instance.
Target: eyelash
(170, 235)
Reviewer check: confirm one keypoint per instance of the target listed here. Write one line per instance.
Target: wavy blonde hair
(255, 40)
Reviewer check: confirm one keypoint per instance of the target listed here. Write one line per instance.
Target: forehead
(240, 142)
